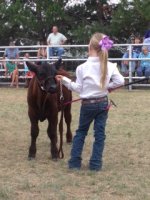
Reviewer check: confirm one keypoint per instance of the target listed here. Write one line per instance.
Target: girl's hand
(58, 77)
(110, 90)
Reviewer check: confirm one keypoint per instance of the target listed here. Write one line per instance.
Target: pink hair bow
(106, 43)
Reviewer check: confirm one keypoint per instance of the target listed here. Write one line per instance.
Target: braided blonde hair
(102, 54)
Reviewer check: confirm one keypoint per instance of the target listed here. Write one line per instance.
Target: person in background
(56, 38)
(137, 49)
(125, 63)
(131, 39)
(93, 83)
(147, 39)
(26, 57)
(144, 65)
(11, 66)
(42, 51)
(28, 74)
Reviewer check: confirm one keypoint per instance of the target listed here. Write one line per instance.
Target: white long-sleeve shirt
(56, 39)
(87, 82)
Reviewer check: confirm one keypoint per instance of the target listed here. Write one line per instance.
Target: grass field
(126, 170)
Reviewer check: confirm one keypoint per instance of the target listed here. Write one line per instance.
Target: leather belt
(94, 100)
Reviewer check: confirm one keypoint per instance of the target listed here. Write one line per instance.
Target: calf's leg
(34, 135)
(52, 133)
(68, 118)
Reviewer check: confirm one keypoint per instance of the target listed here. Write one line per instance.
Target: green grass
(125, 174)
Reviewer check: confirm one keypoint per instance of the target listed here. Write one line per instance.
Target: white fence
(76, 56)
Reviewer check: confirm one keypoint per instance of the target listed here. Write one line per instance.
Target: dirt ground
(125, 174)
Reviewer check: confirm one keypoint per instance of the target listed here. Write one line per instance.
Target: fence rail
(72, 57)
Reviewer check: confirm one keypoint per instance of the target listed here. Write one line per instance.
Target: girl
(92, 83)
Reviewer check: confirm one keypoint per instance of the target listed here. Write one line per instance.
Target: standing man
(56, 38)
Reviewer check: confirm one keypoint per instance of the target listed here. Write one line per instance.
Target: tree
(30, 19)
(88, 17)
(130, 18)
(33, 19)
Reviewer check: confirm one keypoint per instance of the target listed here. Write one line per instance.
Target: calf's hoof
(31, 157)
(69, 140)
(55, 159)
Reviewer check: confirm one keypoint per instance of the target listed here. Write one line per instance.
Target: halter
(41, 82)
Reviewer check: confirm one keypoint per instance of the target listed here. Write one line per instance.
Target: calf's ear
(58, 63)
(32, 67)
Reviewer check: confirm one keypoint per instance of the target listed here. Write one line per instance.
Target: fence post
(130, 66)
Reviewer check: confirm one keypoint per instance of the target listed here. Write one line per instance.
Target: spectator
(137, 49)
(28, 74)
(132, 39)
(147, 39)
(125, 63)
(56, 38)
(11, 66)
(26, 57)
(144, 65)
(42, 51)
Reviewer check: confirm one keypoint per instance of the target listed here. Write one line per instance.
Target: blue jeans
(56, 51)
(98, 113)
(143, 71)
(125, 68)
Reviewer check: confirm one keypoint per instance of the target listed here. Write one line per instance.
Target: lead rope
(110, 104)
(61, 91)
(60, 151)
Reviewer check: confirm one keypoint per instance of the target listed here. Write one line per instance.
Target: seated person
(28, 74)
(26, 57)
(147, 39)
(11, 66)
(56, 38)
(144, 65)
(137, 49)
(1, 65)
(42, 51)
(125, 63)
